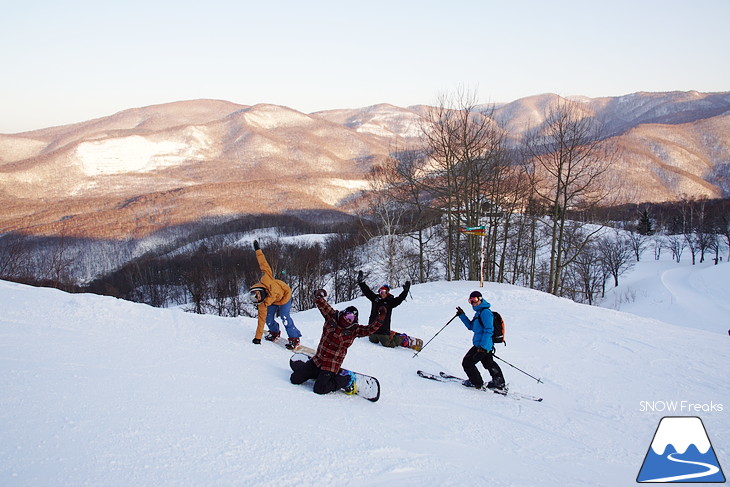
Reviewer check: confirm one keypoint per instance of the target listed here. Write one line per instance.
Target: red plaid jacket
(337, 339)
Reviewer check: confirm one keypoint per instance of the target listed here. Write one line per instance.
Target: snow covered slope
(683, 294)
(98, 391)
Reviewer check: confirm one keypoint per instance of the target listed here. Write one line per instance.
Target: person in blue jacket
(483, 347)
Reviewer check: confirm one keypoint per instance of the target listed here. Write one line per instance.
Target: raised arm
(328, 312)
(365, 330)
(263, 264)
(402, 296)
(367, 292)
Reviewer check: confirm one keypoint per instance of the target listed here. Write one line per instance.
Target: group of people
(341, 328)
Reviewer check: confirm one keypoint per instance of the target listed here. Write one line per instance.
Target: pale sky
(67, 61)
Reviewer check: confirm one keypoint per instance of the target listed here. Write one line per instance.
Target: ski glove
(256, 245)
(320, 293)
(360, 277)
(256, 341)
(459, 311)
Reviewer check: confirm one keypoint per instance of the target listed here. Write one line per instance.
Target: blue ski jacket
(483, 328)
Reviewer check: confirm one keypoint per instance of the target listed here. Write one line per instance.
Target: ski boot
(273, 335)
(468, 383)
(351, 387)
(293, 343)
(497, 384)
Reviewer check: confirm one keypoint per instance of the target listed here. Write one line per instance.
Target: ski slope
(101, 392)
(696, 296)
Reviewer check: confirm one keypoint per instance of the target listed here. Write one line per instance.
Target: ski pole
(538, 380)
(442, 329)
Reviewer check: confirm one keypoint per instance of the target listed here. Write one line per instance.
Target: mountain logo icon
(681, 452)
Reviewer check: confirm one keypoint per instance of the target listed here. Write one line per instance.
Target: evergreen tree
(646, 226)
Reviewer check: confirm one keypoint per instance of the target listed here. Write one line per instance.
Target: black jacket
(389, 302)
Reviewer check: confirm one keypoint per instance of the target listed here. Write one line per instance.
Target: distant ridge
(199, 159)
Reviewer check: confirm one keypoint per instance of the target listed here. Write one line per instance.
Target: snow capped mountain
(672, 108)
(215, 159)
(381, 120)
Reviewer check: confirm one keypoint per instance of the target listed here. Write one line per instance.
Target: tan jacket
(277, 292)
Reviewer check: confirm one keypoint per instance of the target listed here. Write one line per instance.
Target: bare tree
(692, 216)
(588, 273)
(714, 244)
(13, 254)
(705, 229)
(343, 265)
(197, 285)
(616, 254)
(389, 215)
(465, 148)
(403, 181)
(724, 230)
(567, 160)
(59, 260)
(638, 243)
(676, 244)
(510, 194)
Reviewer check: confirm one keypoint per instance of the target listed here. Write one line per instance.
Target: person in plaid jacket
(339, 332)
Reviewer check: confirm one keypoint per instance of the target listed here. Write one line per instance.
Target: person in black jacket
(385, 336)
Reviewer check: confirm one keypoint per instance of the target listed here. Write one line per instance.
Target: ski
(506, 392)
(367, 386)
(444, 377)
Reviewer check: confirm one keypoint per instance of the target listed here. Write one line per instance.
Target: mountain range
(140, 170)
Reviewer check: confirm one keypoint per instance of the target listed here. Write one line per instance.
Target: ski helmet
(257, 294)
(349, 315)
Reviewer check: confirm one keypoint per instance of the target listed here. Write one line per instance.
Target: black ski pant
(324, 381)
(472, 358)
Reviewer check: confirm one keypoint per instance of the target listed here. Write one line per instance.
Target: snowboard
(283, 342)
(444, 377)
(368, 387)
(415, 343)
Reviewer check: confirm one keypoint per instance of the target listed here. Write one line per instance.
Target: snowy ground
(102, 392)
(683, 294)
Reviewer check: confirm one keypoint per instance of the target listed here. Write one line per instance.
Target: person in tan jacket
(272, 297)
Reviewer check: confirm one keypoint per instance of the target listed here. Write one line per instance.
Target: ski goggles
(255, 296)
(349, 317)
(475, 300)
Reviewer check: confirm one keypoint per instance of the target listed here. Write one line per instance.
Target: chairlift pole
(480, 231)
(481, 261)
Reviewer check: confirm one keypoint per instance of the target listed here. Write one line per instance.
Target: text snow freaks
(679, 407)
